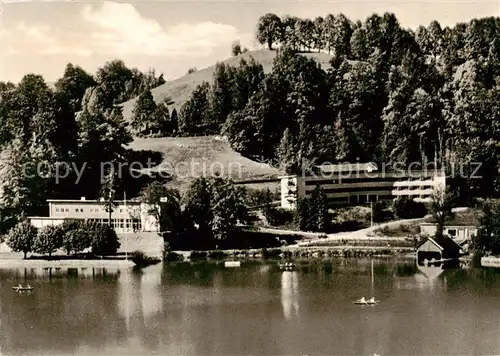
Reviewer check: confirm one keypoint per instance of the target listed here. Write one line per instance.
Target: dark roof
(445, 243)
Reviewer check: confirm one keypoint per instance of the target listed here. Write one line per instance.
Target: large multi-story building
(127, 217)
(355, 184)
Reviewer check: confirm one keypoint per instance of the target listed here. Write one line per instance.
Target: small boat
(363, 301)
(287, 266)
(232, 264)
(20, 288)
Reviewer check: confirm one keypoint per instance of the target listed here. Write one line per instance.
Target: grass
(402, 230)
(180, 89)
(190, 157)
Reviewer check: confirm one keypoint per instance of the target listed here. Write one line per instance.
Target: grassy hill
(189, 157)
(180, 89)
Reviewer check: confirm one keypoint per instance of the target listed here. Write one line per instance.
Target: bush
(278, 216)
(405, 208)
(49, 240)
(379, 212)
(141, 260)
(215, 255)
(173, 257)
(198, 255)
(104, 240)
(21, 237)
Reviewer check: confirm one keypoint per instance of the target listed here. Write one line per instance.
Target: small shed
(430, 249)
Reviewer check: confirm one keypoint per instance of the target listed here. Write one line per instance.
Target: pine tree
(108, 192)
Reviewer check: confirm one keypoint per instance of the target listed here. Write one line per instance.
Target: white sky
(171, 36)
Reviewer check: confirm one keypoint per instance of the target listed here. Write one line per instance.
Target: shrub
(216, 255)
(405, 208)
(278, 216)
(141, 260)
(104, 240)
(22, 237)
(173, 257)
(198, 255)
(49, 240)
(379, 212)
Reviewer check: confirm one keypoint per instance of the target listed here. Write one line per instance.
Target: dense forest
(389, 95)
(53, 141)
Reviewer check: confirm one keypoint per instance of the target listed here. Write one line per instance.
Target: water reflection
(210, 310)
(428, 276)
(290, 293)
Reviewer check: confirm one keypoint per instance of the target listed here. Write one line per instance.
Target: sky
(171, 36)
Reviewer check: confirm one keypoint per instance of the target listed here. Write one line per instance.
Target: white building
(462, 227)
(127, 217)
(347, 184)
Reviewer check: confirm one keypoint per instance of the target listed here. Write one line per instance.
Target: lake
(206, 309)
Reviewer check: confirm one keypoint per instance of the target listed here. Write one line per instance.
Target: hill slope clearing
(186, 158)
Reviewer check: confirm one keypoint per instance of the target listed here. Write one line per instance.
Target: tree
(441, 207)
(143, 113)
(268, 29)
(48, 240)
(221, 98)
(108, 192)
(112, 79)
(487, 239)
(406, 208)
(104, 240)
(236, 49)
(164, 204)
(216, 206)
(77, 236)
(21, 237)
(73, 85)
(195, 113)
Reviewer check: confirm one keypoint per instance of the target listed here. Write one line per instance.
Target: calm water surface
(206, 309)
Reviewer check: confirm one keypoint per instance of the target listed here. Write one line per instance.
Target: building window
(57, 209)
(452, 232)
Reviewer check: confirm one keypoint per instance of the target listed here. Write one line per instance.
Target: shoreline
(22, 263)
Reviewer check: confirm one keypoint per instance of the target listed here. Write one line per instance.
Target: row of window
(80, 210)
(415, 187)
(129, 224)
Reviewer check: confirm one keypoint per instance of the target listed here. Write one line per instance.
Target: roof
(348, 167)
(445, 243)
(89, 201)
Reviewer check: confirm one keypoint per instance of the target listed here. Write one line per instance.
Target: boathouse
(431, 250)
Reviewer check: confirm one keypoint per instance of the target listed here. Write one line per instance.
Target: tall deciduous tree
(48, 240)
(268, 29)
(21, 237)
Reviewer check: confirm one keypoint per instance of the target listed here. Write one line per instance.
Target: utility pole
(371, 212)
(125, 225)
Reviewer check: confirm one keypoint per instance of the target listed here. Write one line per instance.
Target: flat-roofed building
(355, 184)
(127, 217)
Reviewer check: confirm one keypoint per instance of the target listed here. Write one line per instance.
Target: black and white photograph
(249, 177)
